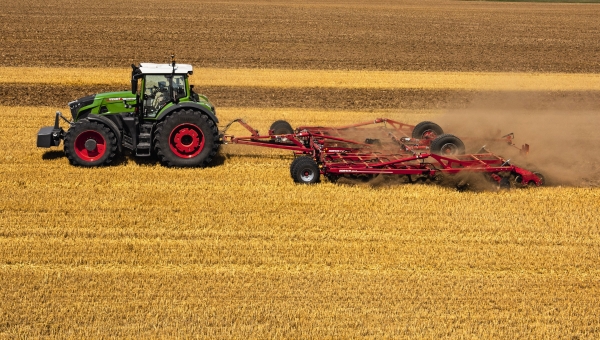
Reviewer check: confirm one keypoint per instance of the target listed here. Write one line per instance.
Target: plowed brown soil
(391, 35)
(315, 98)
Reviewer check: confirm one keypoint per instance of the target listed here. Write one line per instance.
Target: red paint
(90, 155)
(186, 140)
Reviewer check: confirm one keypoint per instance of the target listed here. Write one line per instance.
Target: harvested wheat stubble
(238, 250)
(348, 79)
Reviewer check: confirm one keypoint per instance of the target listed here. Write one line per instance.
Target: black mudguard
(188, 105)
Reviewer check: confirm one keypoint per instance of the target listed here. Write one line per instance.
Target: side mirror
(134, 86)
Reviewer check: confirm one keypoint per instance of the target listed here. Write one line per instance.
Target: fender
(111, 125)
(188, 105)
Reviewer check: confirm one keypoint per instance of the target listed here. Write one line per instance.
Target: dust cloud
(563, 133)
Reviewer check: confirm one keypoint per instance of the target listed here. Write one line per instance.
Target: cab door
(155, 95)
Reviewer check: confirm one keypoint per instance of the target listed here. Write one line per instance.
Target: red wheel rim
(186, 140)
(429, 134)
(92, 152)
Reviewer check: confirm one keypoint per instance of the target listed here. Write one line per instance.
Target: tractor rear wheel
(186, 138)
(447, 145)
(305, 170)
(427, 130)
(90, 144)
(281, 127)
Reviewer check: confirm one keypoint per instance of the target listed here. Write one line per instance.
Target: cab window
(157, 94)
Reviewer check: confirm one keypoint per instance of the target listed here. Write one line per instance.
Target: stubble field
(238, 250)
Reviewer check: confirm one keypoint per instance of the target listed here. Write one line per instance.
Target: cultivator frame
(400, 133)
(334, 156)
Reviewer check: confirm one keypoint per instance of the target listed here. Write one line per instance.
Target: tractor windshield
(157, 94)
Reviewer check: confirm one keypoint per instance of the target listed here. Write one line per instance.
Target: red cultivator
(383, 147)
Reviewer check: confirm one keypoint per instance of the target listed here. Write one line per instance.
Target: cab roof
(150, 68)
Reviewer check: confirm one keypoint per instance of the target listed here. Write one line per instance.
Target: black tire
(305, 170)
(281, 127)
(293, 165)
(186, 138)
(541, 177)
(427, 130)
(90, 144)
(292, 168)
(447, 145)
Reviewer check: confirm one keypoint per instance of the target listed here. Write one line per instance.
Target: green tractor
(161, 115)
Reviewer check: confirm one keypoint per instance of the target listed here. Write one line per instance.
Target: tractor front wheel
(186, 138)
(90, 144)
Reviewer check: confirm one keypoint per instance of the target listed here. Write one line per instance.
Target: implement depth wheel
(541, 177)
(447, 145)
(426, 130)
(186, 138)
(90, 144)
(305, 170)
(517, 181)
(281, 127)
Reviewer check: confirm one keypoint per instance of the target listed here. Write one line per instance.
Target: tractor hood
(100, 103)
(116, 96)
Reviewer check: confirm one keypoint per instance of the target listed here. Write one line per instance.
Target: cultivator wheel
(447, 145)
(540, 176)
(187, 138)
(305, 170)
(427, 130)
(90, 144)
(281, 127)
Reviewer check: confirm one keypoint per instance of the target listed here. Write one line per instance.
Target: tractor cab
(160, 85)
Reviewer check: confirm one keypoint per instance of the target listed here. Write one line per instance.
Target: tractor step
(144, 146)
(143, 149)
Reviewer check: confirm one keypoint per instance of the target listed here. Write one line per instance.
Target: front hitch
(51, 135)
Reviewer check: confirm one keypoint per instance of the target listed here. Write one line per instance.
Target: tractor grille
(79, 103)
